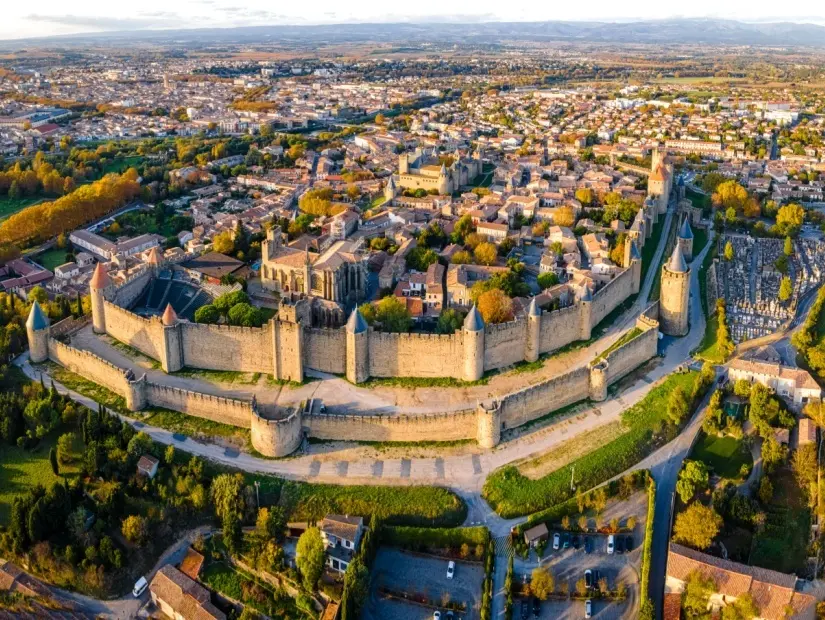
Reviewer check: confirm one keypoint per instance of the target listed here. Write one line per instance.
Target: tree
(785, 289)
(309, 557)
(677, 406)
(728, 251)
(271, 523)
(495, 306)
(696, 595)
(804, 465)
(420, 258)
(693, 478)
(169, 455)
(773, 452)
(449, 321)
(135, 529)
(53, 461)
(697, 526)
(565, 216)
(462, 257)
(585, 196)
(245, 314)
(356, 589)
(547, 279)
(744, 608)
(788, 248)
(731, 195)
(223, 243)
(65, 444)
(542, 583)
(139, 444)
(390, 315)
(789, 219)
(486, 254)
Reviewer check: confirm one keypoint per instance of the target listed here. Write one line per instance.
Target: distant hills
(668, 31)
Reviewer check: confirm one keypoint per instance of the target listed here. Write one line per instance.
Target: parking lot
(568, 566)
(420, 574)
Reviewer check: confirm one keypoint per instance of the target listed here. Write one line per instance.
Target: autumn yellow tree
(495, 306)
(565, 216)
(486, 254)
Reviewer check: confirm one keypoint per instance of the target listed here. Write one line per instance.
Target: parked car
(536, 607)
(628, 543)
(588, 579)
(565, 541)
(576, 542)
(140, 587)
(450, 615)
(450, 569)
(556, 541)
(610, 545)
(436, 615)
(588, 608)
(525, 609)
(619, 544)
(588, 544)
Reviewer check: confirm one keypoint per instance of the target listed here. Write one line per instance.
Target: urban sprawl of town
(411, 331)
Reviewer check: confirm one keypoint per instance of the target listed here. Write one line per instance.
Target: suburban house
(794, 384)
(148, 466)
(181, 598)
(536, 534)
(775, 594)
(342, 535)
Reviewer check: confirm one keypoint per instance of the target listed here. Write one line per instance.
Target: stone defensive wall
(279, 437)
(285, 348)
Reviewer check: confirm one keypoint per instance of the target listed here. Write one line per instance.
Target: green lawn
(723, 455)
(511, 494)
(51, 258)
(121, 164)
(221, 376)
(406, 505)
(709, 348)
(701, 201)
(10, 206)
(626, 337)
(700, 240)
(21, 469)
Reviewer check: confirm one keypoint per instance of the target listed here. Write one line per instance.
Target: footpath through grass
(512, 494)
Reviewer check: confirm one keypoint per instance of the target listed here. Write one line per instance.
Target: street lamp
(257, 493)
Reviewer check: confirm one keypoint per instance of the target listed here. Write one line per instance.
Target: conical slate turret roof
(169, 317)
(685, 232)
(586, 295)
(154, 257)
(356, 323)
(100, 278)
(634, 251)
(37, 319)
(533, 310)
(677, 263)
(473, 321)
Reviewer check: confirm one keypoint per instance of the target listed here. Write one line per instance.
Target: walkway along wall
(279, 437)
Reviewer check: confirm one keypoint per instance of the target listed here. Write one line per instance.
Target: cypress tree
(53, 461)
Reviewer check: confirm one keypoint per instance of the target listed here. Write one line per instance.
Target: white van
(140, 587)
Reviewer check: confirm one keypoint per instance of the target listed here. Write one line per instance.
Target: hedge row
(648, 542)
(442, 538)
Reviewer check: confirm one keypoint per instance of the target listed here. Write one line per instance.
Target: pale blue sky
(51, 17)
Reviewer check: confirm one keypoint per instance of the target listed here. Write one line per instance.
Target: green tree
(677, 406)
(547, 279)
(696, 595)
(462, 257)
(310, 557)
(390, 315)
(65, 444)
(697, 526)
(785, 289)
(271, 523)
(743, 608)
(449, 321)
(169, 455)
(356, 589)
(693, 478)
(223, 243)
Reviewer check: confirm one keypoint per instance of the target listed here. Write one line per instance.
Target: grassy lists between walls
(511, 494)
(408, 505)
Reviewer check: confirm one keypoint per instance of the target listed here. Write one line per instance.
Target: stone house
(342, 535)
(181, 598)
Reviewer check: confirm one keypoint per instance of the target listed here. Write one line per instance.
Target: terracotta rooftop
(188, 598)
(101, 278)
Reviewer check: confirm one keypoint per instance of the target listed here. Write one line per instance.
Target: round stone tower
(488, 419)
(473, 345)
(531, 351)
(585, 314)
(685, 240)
(674, 305)
(98, 285)
(37, 330)
(358, 348)
(598, 381)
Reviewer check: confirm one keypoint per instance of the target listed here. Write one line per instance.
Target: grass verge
(512, 494)
(417, 506)
(725, 456)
